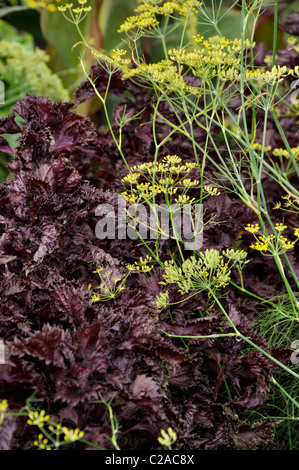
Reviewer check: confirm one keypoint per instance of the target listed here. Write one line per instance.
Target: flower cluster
(76, 14)
(291, 203)
(148, 11)
(37, 418)
(211, 191)
(41, 4)
(208, 271)
(52, 7)
(204, 58)
(164, 74)
(156, 8)
(273, 243)
(145, 21)
(252, 228)
(183, 199)
(50, 432)
(166, 177)
(259, 147)
(280, 152)
(117, 58)
(112, 283)
(51, 438)
(144, 265)
(211, 57)
(167, 438)
(221, 57)
(144, 191)
(72, 434)
(162, 299)
(293, 42)
(42, 442)
(3, 408)
(237, 255)
(258, 76)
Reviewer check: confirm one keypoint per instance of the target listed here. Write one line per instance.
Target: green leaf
(61, 36)
(111, 15)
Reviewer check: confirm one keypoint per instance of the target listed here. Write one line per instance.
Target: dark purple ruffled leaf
(291, 24)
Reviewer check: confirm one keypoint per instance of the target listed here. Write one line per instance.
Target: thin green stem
(275, 32)
(295, 402)
(200, 337)
(103, 100)
(247, 340)
(252, 295)
(285, 141)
